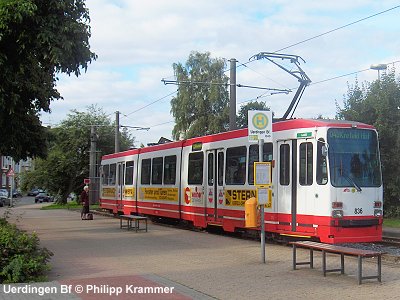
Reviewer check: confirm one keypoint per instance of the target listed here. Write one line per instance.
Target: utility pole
(117, 135)
(94, 184)
(232, 95)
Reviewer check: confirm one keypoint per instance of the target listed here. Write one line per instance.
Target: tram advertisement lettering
(238, 197)
(129, 192)
(166, 194)
(108, 192)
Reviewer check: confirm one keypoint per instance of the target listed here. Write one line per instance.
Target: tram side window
(306, 164)
(210, 175)
(145, 171)
(284, 165)
(105, 174)
(156, 173)
(195, 170)
(170, 169)
(253, 157)
(112, 174)
(129, 172)
(235, 171)
(322, 170)
(220, 168)
(121, 172)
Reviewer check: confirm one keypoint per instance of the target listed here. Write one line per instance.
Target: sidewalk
(99, 257)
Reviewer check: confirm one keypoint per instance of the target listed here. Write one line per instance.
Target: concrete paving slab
(196, 264)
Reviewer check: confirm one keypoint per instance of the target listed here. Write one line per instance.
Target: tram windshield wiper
(344, 174)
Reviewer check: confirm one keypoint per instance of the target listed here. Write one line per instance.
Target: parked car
(35, 192)
(4, 192)
(43, 197)
(3, 197)
(16, 194)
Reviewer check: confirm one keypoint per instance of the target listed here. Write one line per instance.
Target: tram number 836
(358, 211)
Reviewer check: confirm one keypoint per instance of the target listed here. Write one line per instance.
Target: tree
(38, 39)
(242, 117)
(201, 105)
(67, 164)
(378, 104)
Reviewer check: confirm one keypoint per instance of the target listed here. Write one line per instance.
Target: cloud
(138, 41)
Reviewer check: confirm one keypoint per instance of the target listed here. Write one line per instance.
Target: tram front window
(354, 158)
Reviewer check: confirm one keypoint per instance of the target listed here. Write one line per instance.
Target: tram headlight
(378, 212)
(337, 213)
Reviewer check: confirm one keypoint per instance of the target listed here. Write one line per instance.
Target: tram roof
(277, 125)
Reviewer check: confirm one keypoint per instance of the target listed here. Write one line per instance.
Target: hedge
(21, 257)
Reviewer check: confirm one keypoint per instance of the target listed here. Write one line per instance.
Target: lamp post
(378, 67)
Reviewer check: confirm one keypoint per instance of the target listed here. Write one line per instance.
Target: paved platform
(96, 258)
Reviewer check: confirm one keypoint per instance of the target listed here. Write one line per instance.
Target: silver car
(3, 197)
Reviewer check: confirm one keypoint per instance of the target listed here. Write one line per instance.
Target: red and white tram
(326, 180)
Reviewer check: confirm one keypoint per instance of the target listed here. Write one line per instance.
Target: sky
(137, 42)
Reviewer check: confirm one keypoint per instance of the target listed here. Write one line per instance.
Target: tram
(326, 175)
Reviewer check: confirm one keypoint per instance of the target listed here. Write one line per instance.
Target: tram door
(120, 184)
(215, 188)
(287, 184)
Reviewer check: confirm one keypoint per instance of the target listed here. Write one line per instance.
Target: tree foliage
(67, 164)
(201, 105)
(242, 117)
(378, 104)
(38, 39)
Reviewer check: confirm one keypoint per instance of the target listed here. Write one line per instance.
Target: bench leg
(342, 263)
(379, 268)
(294, 257)
(324, 262)
(311, 259)
(359, 271)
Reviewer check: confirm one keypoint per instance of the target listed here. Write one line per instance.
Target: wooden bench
(132, 222)
(327, 248)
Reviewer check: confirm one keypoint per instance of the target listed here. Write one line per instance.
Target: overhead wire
(325, 33)
(151, 103)
(322, 81)
(284, 48)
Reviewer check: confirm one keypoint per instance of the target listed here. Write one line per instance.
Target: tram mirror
(324, 150)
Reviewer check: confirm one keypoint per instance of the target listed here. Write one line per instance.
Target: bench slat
(337, 249)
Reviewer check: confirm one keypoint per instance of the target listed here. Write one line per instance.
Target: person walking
(85, 202)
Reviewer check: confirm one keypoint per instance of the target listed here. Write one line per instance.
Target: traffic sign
(10, 172)
(86, 181)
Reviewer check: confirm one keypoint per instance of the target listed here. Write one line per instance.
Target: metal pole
(117, 143)
(260, 159)
(232, 95)
(92, 165)
(12, 183)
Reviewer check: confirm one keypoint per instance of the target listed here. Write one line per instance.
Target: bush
(392, 212)
(21, 257)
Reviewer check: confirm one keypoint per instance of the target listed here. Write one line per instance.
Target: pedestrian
(85, 202)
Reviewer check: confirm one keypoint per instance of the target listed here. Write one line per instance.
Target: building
(6, 163)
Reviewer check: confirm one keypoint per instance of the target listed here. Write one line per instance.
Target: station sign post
(260, 130)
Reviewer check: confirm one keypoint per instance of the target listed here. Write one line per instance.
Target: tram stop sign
(259, 125)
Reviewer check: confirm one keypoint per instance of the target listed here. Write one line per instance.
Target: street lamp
(378, 67)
